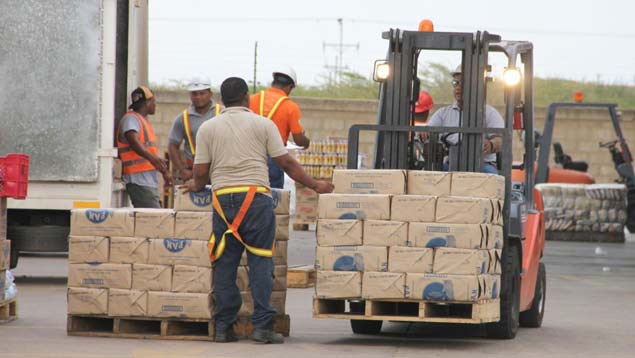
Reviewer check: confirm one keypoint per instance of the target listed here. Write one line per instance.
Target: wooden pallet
(8, 311)
(160, 328)
(408, 310)
(300, 227)
(300, 276)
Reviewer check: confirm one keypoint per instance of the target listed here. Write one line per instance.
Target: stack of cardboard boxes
(392, 234)
(150, 262)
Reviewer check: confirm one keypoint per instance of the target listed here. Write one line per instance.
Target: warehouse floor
(590, 313)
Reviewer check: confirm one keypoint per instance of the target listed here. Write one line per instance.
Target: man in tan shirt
(232, 150)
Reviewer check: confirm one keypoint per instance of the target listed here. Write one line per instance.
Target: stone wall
(578, 130)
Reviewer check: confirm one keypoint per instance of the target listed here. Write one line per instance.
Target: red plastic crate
(14, 175)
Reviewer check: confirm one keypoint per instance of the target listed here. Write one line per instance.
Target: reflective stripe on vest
(275, 106)
(188, 129)
(131, 161)
(216, 251)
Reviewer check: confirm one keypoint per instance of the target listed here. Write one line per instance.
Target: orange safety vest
(276, 104)
(131, 161)
(188, 132)
(215, 252)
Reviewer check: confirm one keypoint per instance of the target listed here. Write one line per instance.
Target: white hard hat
(457, 71)
(198, 84)
(287, 71)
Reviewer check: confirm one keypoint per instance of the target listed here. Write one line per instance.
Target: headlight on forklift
(382, 71)
(511, 77)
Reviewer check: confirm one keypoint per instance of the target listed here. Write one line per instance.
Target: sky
(585, 40)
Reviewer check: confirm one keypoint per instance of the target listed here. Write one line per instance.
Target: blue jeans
(257, 229)
(276, 175)
(487, 168)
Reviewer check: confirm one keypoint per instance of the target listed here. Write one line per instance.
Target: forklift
(523, 292)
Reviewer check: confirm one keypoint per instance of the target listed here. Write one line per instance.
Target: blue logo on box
(97, 216)
(275, 195)
(201, 198)
(176, 245)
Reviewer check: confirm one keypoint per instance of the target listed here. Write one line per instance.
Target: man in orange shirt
(275, 104)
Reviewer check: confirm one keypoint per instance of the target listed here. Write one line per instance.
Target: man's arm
(301, 140)
(200, 177)
(291, 166)
(175, 157)
(133, 140)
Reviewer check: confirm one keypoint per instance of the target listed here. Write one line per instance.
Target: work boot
(226, 336)
(267, 336)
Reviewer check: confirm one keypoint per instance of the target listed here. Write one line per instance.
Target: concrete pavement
(590, 312)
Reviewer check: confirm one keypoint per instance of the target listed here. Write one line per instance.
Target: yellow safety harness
(215, 251)
(275, 106)
(188, 129)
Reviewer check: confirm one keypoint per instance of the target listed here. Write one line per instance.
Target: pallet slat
(408, 310)
(301, 276)
(8, 311)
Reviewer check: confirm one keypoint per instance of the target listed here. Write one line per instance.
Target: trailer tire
(533, 317)
(360, 326)
(507, 327)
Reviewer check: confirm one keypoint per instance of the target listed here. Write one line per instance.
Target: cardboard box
(151, 277)
(429, 183)
(460, 261)
(333, 232)
(182, 305)
(277, 301)
(352, 258)
(353, 181)
(280, 253)
(194, 279)
(494, 237)
(410, 259)
(377, 285)
(354, 206)
(281, 201)
(479, 185)
(128, 250)
(193, 201)
(413, 208)
(305, 213)
(127, 303)
(491, 286)
(83, 249)
(102, 222)
(463, 236)
(280, 278)
(100, 275)
(439, 287)
(87, 300)
(385, 233)
(154, 223)
(338, 284)
(464, 210)
(242, 278)
(193, 225)
(282, 227)
(495, 261)
(179, 252)
(5, 254)
(497, 216)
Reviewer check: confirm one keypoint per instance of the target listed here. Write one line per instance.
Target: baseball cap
(198, 84)
(140, 95)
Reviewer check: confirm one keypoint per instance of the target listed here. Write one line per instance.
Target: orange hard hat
(424, 103)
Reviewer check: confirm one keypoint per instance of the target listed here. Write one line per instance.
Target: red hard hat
(424, 103)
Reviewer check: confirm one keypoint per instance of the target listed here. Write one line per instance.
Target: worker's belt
(215, 251)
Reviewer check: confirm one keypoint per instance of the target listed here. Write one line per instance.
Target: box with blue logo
(461, 261)
(494, 237)
(154, 223)
(462, 236)
(413, 208)
(495, 261)
(102, 222)
(281, 201)
(352, 258)
(194, 225)
(193, 201)
(410, 259)
(354, 206)
(338, 284)
(491, 286)
(332, 232)
(179, 252)
(83, 249)
(444, 287)
(95, 275)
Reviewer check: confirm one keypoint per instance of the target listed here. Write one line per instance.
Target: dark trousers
(257, 229)
(143, 196)
(276, 175)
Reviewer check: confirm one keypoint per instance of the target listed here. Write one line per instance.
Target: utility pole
(340, 46)
(255, 64)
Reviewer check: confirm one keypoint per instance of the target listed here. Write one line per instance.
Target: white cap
(198, 84)
(457, 71)
(287, 71)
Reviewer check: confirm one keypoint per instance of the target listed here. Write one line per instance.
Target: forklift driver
(449, 117)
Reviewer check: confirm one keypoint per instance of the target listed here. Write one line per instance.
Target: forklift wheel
(507, 327)
(365, 326)
(533, 317)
